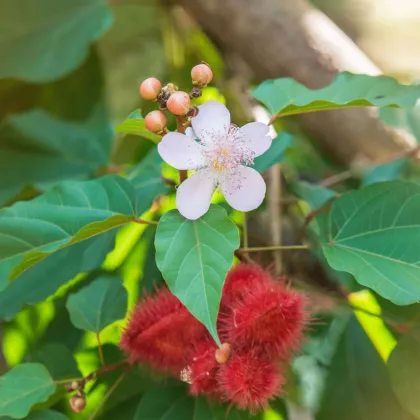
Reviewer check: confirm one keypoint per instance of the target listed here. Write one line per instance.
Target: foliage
(88, 225)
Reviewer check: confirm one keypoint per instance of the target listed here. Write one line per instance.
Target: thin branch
(109, 393)
(243, 257)
(274, 248)
(245, 230)
(100, 350)
(145, 222)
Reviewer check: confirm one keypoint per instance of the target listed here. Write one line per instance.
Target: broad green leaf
(134, 124)
(275, 154)
(58, 359)
(67, 214)
(22, 387)
(54, 270)
(404, 369)
(288, 97)
(315, 195)
(357, 385)
(373, 234)
(98, 305)
(51, 38)
(194, 257)
(146, 177)
(407, 119)
(386, 172)
(46, 415)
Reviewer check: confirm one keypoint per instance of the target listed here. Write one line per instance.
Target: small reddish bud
(179, 103)
(77, 403)
(223, 354)
(150, 89)
(162, 333)
(72, 386)
(204, 369)
(201, 75)
(250, 381)
(155, 121)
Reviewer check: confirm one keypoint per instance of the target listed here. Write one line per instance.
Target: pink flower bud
(201, 75)
(150, 89)
(155, 121)
(179, 103)
(77, 403)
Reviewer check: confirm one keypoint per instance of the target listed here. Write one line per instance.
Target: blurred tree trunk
(290, 38)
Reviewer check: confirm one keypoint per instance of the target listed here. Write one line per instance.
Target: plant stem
(181, 126)
(274, 248)
(100, 350)
(245, 231)
(145, 222)
(108, 394)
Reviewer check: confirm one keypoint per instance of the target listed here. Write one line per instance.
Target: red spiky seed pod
(155, 121)
(150, 89)
(269, 318)
(161, 333)
(241, 279)
(179, 103)
(201, 75)
(204, 369)
(249, 381)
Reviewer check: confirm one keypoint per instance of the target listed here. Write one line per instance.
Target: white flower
(217, 151)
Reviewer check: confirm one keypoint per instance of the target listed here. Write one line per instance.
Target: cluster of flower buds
(261, 323)
(170, 98)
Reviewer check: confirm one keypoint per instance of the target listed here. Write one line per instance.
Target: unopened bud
(150, 89)
(77, 403)
(223, 354)
(179, 103)
(155, 121)
(72, 386)
(201, 75)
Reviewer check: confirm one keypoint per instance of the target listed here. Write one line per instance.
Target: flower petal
(245, 190)
(193, 196)
(213, 117)
(181, 151)
(257, 136)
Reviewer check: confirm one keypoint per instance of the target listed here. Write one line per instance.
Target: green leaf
(51, 38)
(407, 119)
(357, 385)
(98, 305)
(58, 359)
(315, 195)
(404, 369)
(288, 97)
(134, 124)
(22, 387)
(275, 154)
(386, 172)
(146, 178)
(54, 270)
(67, 214)
(373, 234)
(194, 257)
(46, 415)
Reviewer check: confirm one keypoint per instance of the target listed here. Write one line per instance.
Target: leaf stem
(274, 248)
(145, 222)
(109, 393)
(245, 231)
(100, 350)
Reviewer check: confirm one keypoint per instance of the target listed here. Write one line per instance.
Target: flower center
(226, 152)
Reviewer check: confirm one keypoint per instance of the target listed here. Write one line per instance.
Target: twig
(108, 394)
(181, 125)
(245, 231)
(274, 248)
(145, 222)
(343, 176)
(100, 351)
(243, 256)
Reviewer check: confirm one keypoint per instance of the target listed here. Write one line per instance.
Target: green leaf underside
(51, 39)
(373, 233)
(288, 97)
(65, 215)
(98, 305)
(194, 258)
(357, 385)
(134, 125)
(386, 172)
(275, 154)
(24, 386)
(315, 195)
(404, 369)
(55, 270)
(46, 415)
